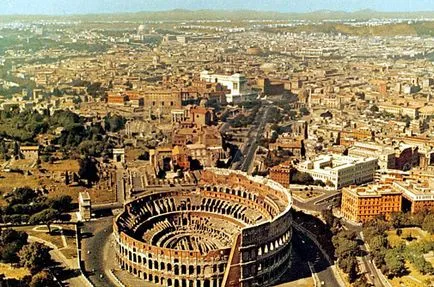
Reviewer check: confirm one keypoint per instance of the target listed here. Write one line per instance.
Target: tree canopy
(34, 256)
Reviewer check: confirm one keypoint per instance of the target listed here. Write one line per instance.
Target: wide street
(95, 236)
(305, 252)
(247, 153)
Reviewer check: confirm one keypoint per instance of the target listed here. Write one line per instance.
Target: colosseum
(231, 230)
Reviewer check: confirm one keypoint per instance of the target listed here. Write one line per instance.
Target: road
(247, 154)
(370, 268)
(307, 251)
(95, 241)
(318, 204)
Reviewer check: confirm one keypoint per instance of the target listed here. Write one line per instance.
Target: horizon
(83, 7)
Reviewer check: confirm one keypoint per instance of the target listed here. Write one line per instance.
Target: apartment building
(363, 203)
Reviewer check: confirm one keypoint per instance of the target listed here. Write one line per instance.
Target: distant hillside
(179, 15)
(419, 29)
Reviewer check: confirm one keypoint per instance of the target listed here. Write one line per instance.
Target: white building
(236, 83)
(341, 170)
(385, 154)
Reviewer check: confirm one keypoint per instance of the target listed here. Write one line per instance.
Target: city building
(385, 154)
(282, 173)
(417, 195)
(161, 102)
(363, 203)
(236, 83)
(340, 171)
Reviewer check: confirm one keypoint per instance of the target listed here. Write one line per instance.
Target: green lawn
(416, 233)
(414, 278)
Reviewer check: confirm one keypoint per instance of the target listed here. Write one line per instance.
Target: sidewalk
(57, 255)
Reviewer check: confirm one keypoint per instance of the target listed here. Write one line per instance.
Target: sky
(62, 7)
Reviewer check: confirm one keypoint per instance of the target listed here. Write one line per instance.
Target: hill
(182, 15)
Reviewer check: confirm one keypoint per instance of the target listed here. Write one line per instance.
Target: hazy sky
(104, 6)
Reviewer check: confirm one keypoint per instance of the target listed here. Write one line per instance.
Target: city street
(246, 154)
(95, 237)
(305, 251)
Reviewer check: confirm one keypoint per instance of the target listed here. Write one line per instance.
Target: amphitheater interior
(231, 230)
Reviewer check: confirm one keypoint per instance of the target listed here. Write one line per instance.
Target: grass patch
(9, 181)
(53, 238)
(414, 232)
(13, 272)
(70, 253)
(413, 279)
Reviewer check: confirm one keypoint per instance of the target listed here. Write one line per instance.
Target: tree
(23, 195)
(114, 123)
(328, 216)
(299, 177)
(428, 223)
(43, 279)
(11, 241)
(46, 216)
(377, 243)
(88, 169)
(345, 247)
(398, 219)
(349, 266)
(395, 263)
(304, 111)
(62, 203)
(34, 256)
(374, 109)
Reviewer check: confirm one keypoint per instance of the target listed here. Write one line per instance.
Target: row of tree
(27, 205)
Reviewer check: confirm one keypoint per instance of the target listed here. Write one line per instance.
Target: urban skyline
(216, 144)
